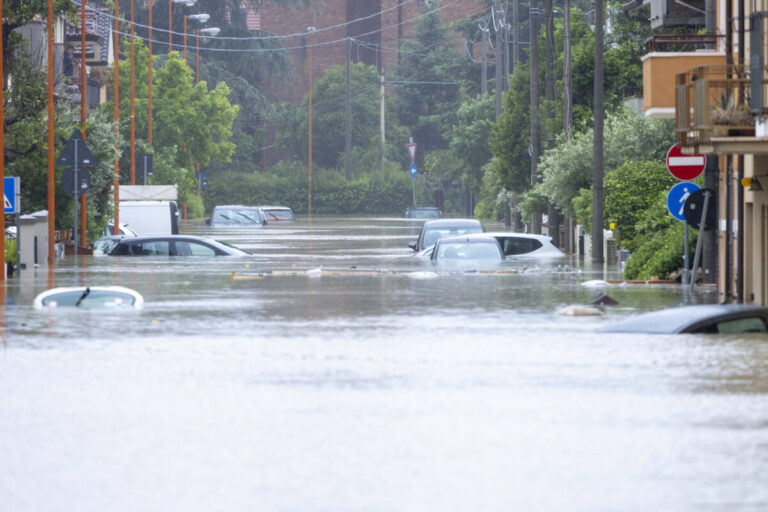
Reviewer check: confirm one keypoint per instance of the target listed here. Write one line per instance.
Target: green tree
(328, 118)
(428, 101)
(469, 139)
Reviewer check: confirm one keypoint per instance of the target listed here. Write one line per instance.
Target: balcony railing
(682, 42)
(713, 101)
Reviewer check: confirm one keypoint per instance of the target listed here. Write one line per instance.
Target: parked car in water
(423, 212)
(172, 245)
(466, 248)
(124, 230)
(526, 245)
(237, 215)
(711, 318)
(278, 214)
(89, 297)
(433, 230)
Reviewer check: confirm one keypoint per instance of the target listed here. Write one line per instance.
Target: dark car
(433, 230)
(423, 212)
(237, 215)
(713, 318)
(172, 245)
(467, 248)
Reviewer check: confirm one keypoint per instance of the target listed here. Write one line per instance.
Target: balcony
(668, 54)
(712, 112)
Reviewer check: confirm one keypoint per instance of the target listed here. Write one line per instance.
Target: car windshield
(236, 216)
(90, 299)
(432, 235)
(105, 246)
(273, 214)
(468, 251)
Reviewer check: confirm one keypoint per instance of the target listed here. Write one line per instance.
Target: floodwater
(381, 384)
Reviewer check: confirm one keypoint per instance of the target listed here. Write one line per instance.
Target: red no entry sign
(684, 167)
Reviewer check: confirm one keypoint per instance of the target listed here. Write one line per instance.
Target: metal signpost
(685, 168)
(11, 203)
(700, 212)
(414, 172)
(76, 154)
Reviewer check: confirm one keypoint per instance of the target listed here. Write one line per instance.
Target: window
(190, 248)
(741, 325)
(514, 246)
(155, 248)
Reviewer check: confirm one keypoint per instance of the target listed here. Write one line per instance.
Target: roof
(681, 319)
(451, 222)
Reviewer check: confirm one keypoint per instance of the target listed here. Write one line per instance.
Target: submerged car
(525, 244)
(467, 248)
(433, 230)
(171, 245)
(123, 230)
(423, 212)
(712, 318)
(237, 215)
(278, 214)
(90, 297)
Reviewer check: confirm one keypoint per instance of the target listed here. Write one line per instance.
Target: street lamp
(309, 166)
(188, 3)
(213, 31)
(202, 18)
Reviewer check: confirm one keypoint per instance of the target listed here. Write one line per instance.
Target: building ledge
(729, 146)
(660, 112)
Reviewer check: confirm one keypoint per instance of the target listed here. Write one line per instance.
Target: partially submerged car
(467, 248)
(278, 214)
(526, 245)
(423, 212)
(123, 230)
(712, 318)
(237, 215)
(171, 245)
(90, 297)
(433, 230)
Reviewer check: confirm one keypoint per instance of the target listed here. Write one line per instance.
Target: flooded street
(381, 384)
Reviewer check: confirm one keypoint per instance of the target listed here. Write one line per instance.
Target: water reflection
(385, 384)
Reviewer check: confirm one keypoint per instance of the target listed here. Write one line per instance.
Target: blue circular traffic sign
(677, 196)
(413, 170)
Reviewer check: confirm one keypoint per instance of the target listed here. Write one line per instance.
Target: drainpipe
(739, 188)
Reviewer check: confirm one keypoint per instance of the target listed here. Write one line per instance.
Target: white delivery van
(150, 217)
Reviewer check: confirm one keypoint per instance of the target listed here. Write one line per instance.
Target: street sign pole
(698, 241)
(76, 201)
(685, 255)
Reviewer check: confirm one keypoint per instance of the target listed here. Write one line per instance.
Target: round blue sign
(413, 170)
(676, 198)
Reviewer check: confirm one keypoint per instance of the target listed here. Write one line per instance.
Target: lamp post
(213, 31)
(202, 18)
(133, 111)
(188, 3)
(309, 162)
(149, 83)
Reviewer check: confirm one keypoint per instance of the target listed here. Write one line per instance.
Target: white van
(150, 217)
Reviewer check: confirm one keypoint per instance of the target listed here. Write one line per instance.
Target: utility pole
(597, 158)
(515, 33)
(553, 217)
(484, 79)
(567, 110)
(348, 118)
(498, 27)
(382, 124)
(533, 149)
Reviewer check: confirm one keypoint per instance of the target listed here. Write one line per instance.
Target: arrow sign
(412, 150)
(84, 155)
(677, 196)
(684, 167)
(10, 192)
(413, 170)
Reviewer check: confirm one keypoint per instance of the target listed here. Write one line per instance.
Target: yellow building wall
(659, 70)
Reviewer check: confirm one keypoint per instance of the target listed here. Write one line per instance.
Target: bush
(380, 192)
(661, 255)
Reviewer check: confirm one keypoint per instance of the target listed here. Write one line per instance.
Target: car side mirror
(208, 221)
(413, 245)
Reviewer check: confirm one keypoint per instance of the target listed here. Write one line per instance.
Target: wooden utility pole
(533, 149)
(553, 217)
(348, 117)
(597, 158)
(515, 33)
(484, 46)
(116, 99)
(51, 184)
(498, 27)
